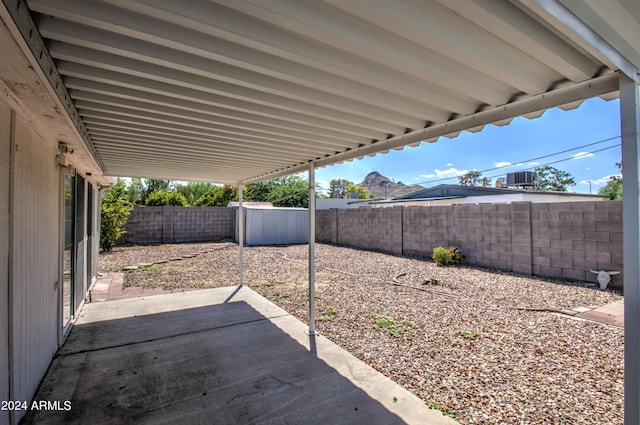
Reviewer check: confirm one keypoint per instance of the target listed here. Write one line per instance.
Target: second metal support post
(630, 128)
(312, 250)
(240, 234)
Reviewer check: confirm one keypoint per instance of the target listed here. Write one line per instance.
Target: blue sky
(517, 143)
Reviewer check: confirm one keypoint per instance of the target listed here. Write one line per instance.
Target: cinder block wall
(144, 227)
(203, 224)
(378, 229)
(569, 238)
(482, 232)
(169, 224)
(561, 240)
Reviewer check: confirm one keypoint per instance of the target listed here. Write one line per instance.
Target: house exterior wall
(5, 154)
(563, 239)
(34, 275)
(31, 255)
(169, 224)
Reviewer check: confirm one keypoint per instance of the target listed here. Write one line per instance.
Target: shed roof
(230, 90)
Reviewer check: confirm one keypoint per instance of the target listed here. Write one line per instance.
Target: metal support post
(312, 250)
(240, 234)
(630, 126)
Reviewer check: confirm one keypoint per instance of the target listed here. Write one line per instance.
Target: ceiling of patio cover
(230, 90)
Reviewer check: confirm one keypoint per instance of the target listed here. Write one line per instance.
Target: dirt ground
(480, 345)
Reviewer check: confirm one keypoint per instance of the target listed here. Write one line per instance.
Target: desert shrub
(115, 211)
(447, 256)
(455, 256)
(164, 197)
(440, 255)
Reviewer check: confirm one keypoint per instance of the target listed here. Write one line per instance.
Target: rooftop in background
(249, 204)
(458, 191)
(448, 194)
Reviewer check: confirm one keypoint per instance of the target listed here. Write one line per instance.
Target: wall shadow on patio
(217, 364)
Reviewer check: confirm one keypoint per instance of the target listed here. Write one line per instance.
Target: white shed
(276, 226)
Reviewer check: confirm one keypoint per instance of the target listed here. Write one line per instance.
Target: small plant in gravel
(469, 334)
(447, 256)
(405, 327)
(442, 408)
(330, 310)
(154, 270)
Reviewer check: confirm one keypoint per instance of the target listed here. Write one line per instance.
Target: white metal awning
(235, 91)
(230, 90)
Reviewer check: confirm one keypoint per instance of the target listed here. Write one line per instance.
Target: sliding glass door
(69, 245)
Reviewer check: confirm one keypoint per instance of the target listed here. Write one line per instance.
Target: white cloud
(502, 164)
(451, 172)
(581, 155)
(425, 176)
(450, 165)
(532, 163)
(601, 180)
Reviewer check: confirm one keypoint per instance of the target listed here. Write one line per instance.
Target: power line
(562, 160)
(537, 158)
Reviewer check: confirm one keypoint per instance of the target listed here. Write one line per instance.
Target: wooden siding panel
(5, 148)
(35, 263)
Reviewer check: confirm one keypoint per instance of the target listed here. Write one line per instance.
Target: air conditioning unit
(521, 178)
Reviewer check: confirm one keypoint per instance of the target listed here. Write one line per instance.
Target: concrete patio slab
(214, 356)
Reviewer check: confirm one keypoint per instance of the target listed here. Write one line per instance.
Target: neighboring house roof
(251, 204)
(448, 191)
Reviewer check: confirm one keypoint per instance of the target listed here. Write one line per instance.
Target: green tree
(338, 188)
(218, 196)
(551, 178)
(259, 192)
(613, 189)
(473, 178)
(114, 214)
(192, 191)
(135, 191)
(153, 185)
(342, 188)
(164, 197)
(290, 191)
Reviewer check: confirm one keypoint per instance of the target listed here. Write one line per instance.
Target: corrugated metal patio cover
(229, 90)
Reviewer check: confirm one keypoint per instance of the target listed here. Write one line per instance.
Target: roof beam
(569, 19)
(587, 89)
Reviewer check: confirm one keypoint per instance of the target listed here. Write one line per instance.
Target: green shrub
(217, 196)
(447, 256)
(440, 255)
(455, 256)
(114, 213)
(164, 197)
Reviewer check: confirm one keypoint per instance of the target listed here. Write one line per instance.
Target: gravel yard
(474, 343)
